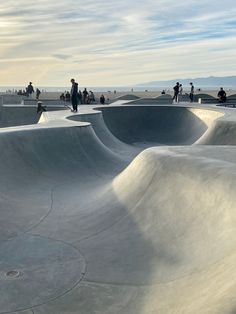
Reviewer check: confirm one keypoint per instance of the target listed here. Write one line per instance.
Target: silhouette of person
(74, 95)
(62, 97)
(176, 92)
(85, 96)
(91, 96)
(40, 107)
(102, 99)
(30, 89)
(38, 92)
(79, 97)
(67, 96)
(222, 95)
(191, 92)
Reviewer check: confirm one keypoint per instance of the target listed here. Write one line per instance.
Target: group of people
(77, 97)
(178, 90)
(28, 91)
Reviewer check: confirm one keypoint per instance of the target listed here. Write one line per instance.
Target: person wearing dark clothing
(73, 94)
(222, 95)
(38, 92)
(191, 92)
(62, 97)
(30, 89)
(40, 107)
(79, 97)
(176, 92)
(67, 96)
(102, 99)
(85, 96)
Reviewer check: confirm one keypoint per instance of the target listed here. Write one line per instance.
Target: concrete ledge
(12, 99)
(45, 102)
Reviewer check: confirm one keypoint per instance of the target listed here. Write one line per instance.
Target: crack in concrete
(44, 217)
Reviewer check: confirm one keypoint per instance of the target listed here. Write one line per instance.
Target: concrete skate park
(128, 208)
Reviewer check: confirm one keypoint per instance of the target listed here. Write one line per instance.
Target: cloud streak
(115, 42)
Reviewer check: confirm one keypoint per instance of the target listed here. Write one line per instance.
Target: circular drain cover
(13, 274)
(35, 270)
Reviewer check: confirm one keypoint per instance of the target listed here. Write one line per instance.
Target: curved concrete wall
(160, 125)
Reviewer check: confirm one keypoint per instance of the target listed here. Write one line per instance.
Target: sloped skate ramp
(88, 228)
(159, 125)
(16, 115)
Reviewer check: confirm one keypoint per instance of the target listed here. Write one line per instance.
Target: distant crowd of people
(84, 97)
(76, 97)
(29, 90)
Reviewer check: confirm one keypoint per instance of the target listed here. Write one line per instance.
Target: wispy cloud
(116, 42)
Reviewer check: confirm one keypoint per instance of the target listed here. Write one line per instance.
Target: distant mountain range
(211, 81)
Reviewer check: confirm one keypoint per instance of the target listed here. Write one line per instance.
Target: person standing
(191, 92)
(79, 97)
(38, 92)
(85, 96)
(102, 99)
(176, 92)
(73, 94)
(29, 90)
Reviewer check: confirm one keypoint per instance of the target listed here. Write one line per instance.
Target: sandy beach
(111, 95)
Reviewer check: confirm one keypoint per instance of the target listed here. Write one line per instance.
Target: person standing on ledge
(191, 92)
(176, 92)
(74, 95)
(38, 92)
(29, 90)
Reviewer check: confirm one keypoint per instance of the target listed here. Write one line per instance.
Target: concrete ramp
(158, 124)
(16, 115)
(92, 223)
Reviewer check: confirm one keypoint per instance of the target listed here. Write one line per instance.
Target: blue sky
(123, 42)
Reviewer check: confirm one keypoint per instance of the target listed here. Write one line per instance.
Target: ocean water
(93, 88)
(103, 89)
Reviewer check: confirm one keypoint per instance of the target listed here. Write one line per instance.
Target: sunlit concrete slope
(222, 132)
(92, 223)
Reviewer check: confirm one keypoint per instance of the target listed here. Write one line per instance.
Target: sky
(115, 43)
